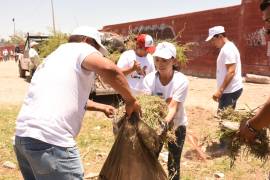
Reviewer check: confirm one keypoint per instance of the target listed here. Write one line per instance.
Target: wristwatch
(250, 128)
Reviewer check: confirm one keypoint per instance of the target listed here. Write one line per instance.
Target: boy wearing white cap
(137, 63)
(228, 70)
(52, 113)
(172, 86)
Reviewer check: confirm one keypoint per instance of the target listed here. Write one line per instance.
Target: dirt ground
(199, 104)
(13, 90)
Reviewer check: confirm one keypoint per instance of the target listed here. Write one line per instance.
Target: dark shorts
(229, 99)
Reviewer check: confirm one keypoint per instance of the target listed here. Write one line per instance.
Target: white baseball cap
(214, 31)
(33, 43)
(165, 50)
(92, 33)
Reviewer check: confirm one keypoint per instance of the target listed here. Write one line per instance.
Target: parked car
(25, 64)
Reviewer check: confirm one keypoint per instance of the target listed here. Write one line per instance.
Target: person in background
(34, 57)
(138, 62)
(172, 86)
(17, 52)
(11, 54)
(53, 109)
(5, 55)
(248, 130)
(228, 70)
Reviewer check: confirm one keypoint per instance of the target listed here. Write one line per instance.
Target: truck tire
(21, 71)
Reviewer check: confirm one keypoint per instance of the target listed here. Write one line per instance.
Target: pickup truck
(24, 62)
(101, 92)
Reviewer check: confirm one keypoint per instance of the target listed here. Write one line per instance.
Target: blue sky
(36, 16)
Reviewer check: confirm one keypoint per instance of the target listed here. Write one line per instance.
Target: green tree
(17, 39)
(47, 47)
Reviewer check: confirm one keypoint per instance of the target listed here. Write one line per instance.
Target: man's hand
(216, 97)
(163, 132)
(109, 111)
(133, 106)
(169, 124)
(246, 134)
(137, 67)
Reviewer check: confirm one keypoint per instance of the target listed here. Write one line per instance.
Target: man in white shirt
(53, 109)
(228, 71)
(5, 54)
(34, 58)
(137, 63)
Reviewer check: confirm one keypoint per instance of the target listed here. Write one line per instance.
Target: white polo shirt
(176, 89)
(135, 80)
(229, 54)
(53, 108)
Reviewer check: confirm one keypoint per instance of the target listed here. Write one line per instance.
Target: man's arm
(127, 70)
(172, 109)
(112, 75)
(259, 121)
(228, 78)
(262, 118)
(106, 109)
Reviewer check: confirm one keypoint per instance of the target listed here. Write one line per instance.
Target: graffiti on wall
(158, 31)
(256, 38)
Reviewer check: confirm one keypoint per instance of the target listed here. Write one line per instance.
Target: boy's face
(216, 42)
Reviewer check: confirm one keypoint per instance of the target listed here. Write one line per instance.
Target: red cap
(145, 41)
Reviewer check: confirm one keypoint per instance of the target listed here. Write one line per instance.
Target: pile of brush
(230, 122)
(154, 111)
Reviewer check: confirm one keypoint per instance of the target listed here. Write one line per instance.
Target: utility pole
(53, 17)
(13, 20)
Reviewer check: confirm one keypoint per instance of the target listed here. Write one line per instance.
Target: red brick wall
(243, 25)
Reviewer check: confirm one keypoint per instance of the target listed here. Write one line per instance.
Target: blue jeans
(42, 161)
(229, 99)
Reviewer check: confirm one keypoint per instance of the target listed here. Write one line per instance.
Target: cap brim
(209, 38)
(150, 50)
(162, 55)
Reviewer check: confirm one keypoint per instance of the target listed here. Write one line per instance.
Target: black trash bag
(134, 155)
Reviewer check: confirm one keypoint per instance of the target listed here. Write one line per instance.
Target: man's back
(54, 106)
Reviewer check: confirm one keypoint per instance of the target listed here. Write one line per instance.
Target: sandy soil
(13, 88)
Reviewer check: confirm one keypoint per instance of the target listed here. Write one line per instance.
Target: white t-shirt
(176, 89)
(134, 79)
(54, 106)
(229, 54)
(33, 53)
(5, 52)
